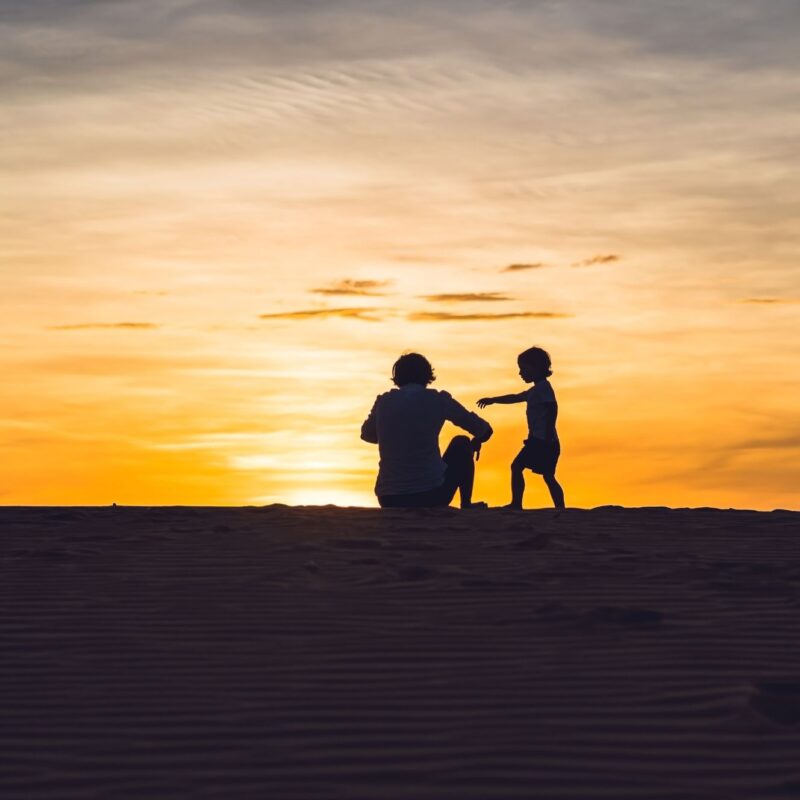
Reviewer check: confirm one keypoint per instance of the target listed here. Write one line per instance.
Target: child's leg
(556, 492)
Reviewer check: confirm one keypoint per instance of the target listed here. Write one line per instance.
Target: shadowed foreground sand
(350, 653)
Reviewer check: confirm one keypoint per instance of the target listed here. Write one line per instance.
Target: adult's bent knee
(459, 447)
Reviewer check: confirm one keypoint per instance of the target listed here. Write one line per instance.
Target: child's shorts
(539, 456)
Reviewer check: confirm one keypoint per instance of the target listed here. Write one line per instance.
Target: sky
(221, 222)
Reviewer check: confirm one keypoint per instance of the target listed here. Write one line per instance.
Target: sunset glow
(221, 223)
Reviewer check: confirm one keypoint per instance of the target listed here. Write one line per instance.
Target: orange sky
(221, 223)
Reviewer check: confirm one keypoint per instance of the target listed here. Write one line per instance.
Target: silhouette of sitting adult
(405, 424)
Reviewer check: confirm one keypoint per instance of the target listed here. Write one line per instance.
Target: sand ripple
(345, 653)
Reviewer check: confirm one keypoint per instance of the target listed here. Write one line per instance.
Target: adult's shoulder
(450, 405)
(444, 396)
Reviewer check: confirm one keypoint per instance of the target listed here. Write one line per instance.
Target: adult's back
(405, 423)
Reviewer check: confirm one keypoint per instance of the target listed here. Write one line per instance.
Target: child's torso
(540, 398)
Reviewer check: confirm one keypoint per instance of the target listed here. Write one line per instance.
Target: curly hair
(537, 358)
(412, 368)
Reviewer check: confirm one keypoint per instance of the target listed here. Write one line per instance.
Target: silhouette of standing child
(541, 449)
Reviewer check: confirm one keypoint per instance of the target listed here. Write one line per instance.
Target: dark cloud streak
(790, 441)
(769, 301)
(467, 297)
(86, 326)
(363, 288)
(367, 314)
(521, 267)
(594, 261)
(442, 316)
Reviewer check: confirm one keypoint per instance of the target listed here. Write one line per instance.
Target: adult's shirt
(405, 423)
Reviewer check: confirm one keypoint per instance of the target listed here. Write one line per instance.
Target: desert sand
(352, 653)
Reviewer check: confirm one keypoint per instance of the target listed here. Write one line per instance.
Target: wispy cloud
(350, 287)
(609, 258)
(769, 301)
(467, 297)
(790, 440)
(521, 267)
(86, 326)
(369, 314)
(114, 362)
(443, 316)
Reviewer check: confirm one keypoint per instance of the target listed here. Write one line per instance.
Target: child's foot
(512, 507)
(479, 504)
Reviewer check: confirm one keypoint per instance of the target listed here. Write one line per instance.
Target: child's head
(534, 364)
(412, 368)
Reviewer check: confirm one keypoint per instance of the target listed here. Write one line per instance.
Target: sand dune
(350, 653)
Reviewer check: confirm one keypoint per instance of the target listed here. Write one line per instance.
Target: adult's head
(412, 368)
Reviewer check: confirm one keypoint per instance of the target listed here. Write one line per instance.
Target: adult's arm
(369, 428)
(468, 420)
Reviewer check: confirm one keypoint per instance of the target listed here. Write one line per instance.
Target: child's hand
(485, 401)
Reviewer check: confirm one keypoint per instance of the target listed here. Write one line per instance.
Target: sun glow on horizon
(322, 497)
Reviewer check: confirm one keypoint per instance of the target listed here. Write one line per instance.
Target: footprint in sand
(632, 618)
(358, 544)
(778, 701)
(51, 554)
(538, 542)
(413, 572)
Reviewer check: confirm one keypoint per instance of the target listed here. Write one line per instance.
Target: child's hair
(537, 358)
(412, 368)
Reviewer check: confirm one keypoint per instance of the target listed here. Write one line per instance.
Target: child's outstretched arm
(504, 399)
